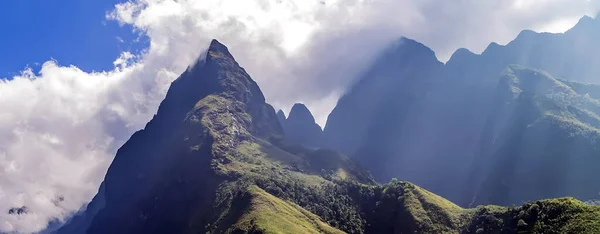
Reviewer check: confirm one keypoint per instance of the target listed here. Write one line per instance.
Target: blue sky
(70, 31)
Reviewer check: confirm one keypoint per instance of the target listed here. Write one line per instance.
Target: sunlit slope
(402, 207)
(257, 211)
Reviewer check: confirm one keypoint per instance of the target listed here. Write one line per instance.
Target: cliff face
(395, 83)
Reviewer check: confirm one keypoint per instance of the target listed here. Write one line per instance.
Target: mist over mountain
(545, 139)
(454, 129)
(217, 158)
(514, 126)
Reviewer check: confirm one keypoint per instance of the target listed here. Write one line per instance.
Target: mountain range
(514, 126)
(517, 121)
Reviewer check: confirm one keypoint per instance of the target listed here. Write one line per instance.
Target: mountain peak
(217, 49)
(525, 38)
(300, 111)
(219, 74)
(406, 51)
(411, 41)
(300, 126)
(281, 117)
(586, 24)
(411, 46)
(492, 47)
(281, 114)
(460, 55)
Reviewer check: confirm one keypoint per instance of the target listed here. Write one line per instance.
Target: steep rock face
(399, 75)
(371, 119)
(81, 221)
(413, 118)
(300, 127)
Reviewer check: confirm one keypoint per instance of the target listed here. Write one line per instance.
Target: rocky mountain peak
(217, 73)
(405, 49)
(586, 25)
(281, 116)
(218, 47)
(301, 113)
(300, 126)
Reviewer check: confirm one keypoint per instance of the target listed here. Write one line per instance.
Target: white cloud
(58, 131)
(60, 128)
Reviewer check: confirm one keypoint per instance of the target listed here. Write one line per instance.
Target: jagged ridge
(413, 118)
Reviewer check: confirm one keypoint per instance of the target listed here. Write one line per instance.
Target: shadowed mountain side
(300, 126)
(413, 118)
(542, 141)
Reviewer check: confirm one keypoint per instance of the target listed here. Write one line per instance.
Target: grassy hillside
(561, 215)
(265, 213)
(402, 207)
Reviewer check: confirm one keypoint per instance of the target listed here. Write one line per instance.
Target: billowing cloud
(60, 126)
(58, 130)
(309, 51)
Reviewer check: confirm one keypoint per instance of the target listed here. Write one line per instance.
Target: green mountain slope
(257, 211)
(402, 207)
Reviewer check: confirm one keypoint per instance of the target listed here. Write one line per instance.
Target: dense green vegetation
(261, 212)
(402, 207)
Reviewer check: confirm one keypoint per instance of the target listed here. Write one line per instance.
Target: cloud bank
(60, 126)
